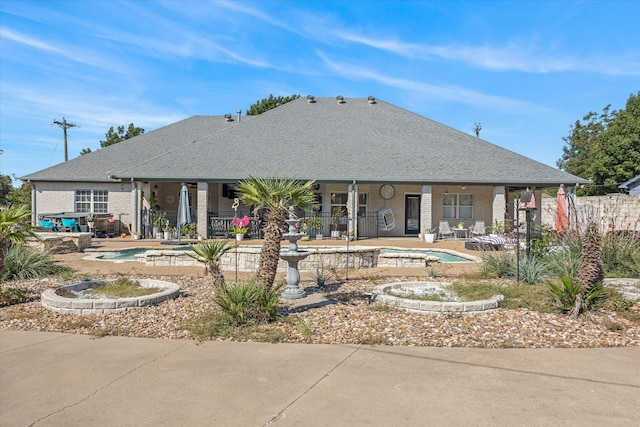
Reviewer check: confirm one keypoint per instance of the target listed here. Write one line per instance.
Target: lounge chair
(445, 230)
(70, 223)
(48, 223)
(478, 229)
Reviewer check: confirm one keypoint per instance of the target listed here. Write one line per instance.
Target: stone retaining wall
(248, 259)
(61, 242)
(379, 295)
(51, 300)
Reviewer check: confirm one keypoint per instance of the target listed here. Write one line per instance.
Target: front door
(412, 214)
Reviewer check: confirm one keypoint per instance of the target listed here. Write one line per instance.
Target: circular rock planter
(99, 305)
(391, 294)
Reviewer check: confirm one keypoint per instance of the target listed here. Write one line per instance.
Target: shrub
(532, 270)
(247, 302)
(10, 296)
(621, 255)
(497, 264)
(563, 294)
(22, 263)
(565, 262)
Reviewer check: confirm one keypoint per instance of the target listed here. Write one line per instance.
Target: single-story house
(388, 171)
(632, 186)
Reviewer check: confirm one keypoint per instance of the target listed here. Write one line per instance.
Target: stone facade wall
(616, 211)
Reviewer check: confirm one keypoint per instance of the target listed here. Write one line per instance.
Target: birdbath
(293, 255)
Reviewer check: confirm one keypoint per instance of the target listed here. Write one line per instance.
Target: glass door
(412, 214)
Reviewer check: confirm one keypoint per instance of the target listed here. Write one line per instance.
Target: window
(457, 206)
(92, 201)
(339, 201)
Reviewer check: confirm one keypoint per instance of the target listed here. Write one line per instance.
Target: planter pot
(200, 237)
(335, 234)
(91, 224)
(167, 235)
(136, 237)
(319, 236)
(239, 237)
(429, 237)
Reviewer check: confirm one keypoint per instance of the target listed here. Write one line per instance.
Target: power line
(64, 125)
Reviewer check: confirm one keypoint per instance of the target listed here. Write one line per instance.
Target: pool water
(130, 254)
(444, 256)
(124, 255)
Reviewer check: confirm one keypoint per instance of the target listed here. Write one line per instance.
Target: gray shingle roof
(324, 140)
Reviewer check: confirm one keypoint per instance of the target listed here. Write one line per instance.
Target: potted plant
(136, 235)
(168, 232)
(159, 222)
(315, 224)
(239, 227)
(91, 221)
(429, 234)
(336, 216)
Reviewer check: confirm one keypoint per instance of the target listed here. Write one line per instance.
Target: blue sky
(525, 70)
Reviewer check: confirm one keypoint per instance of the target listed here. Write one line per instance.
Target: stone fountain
(293, 255)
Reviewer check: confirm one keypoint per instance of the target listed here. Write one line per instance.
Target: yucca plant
(533, 270)
(209, 253)
(246, 302)
(22, 263)
(565, 294)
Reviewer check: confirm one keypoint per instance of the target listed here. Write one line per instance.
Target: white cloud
(510, 57)
(444, 92)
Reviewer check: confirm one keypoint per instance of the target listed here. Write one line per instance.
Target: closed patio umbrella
(562, 220)
(184, 213)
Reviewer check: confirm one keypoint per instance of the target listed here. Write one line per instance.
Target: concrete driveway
(49, 379)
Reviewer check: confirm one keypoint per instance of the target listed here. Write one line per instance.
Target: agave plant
(209, 253)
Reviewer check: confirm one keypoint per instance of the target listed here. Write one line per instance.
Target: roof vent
(372, 99)
(228, 118)
(340, 99)
(239, 114)
(311, 99)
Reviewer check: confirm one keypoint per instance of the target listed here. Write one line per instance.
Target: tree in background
(113, 137)
(21, 195)
(6, 187)
(604, 148)
(269, 103)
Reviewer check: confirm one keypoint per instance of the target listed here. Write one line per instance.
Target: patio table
(464, 232)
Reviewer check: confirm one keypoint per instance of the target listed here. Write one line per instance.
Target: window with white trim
(457, 206)
(96, 201)
(339, 201)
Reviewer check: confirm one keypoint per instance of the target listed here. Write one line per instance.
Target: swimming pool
(331, 254)
(445, 257)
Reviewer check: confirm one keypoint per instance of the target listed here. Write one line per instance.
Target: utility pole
(64, 125)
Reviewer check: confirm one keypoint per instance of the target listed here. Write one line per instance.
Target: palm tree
(275, 196)
(209, 253)
(14, 228)
(591, 272)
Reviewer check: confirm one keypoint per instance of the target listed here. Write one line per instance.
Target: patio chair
(70, 223)
(48, 223)
(444, 230)
(478, 229)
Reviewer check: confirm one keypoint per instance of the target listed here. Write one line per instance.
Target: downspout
(34, 219)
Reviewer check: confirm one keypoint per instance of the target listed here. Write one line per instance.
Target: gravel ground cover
(344, 316)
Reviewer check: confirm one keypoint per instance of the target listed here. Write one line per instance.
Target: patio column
(135, 219)
(499, 205)
(426, 207)
(202, 205)
(352, 210)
